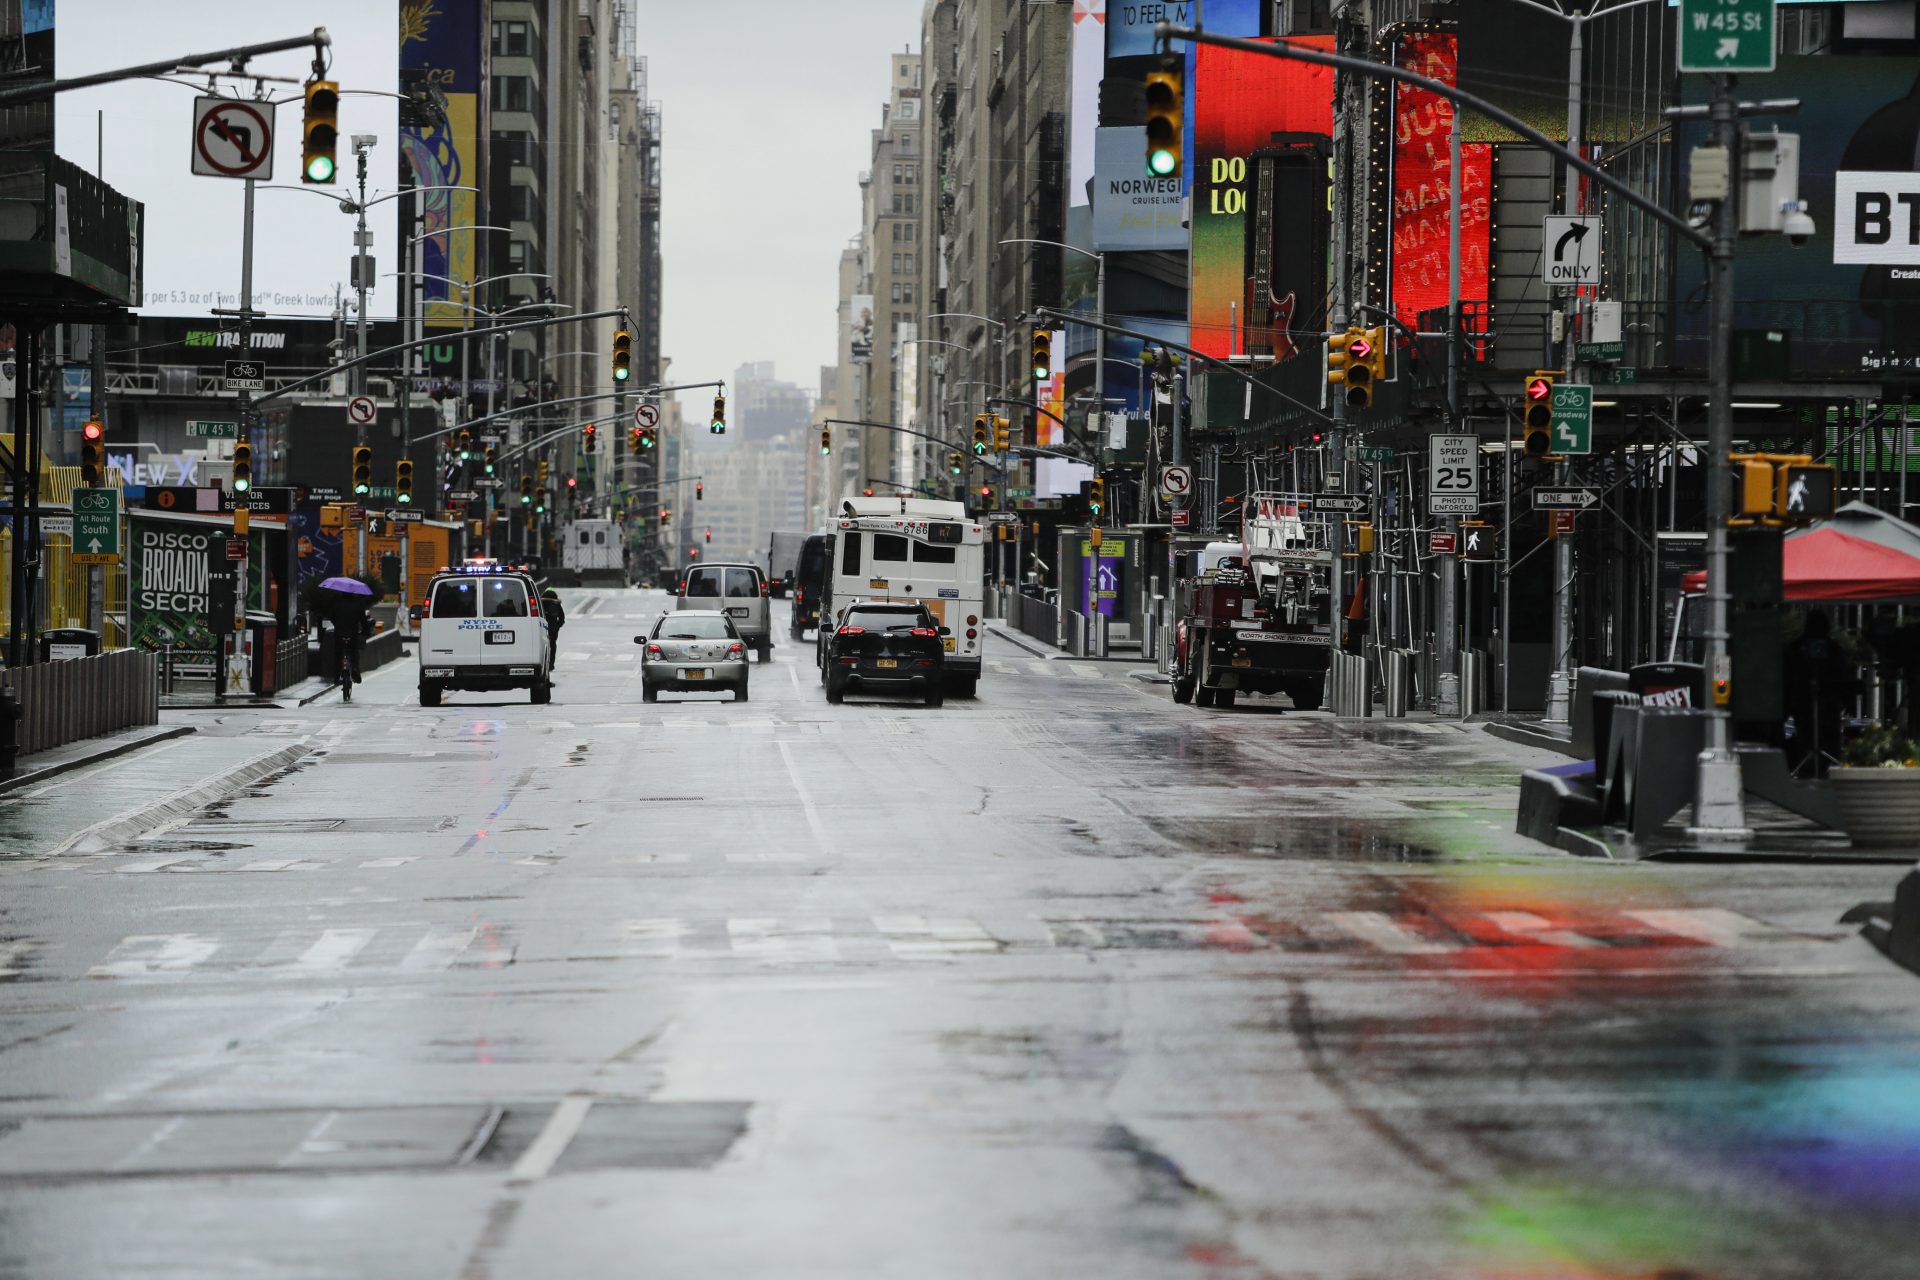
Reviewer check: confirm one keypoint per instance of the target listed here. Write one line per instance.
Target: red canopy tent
(1860, 556)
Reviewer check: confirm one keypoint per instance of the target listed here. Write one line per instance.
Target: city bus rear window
(850, 552)
(926, 553)
(890, 547)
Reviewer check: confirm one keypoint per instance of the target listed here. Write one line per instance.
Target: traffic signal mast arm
(888, 426)
(317, 39)
(544, 404)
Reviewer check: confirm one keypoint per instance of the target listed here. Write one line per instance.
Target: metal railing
(289, 662)
(62, 702)
(1036, 617)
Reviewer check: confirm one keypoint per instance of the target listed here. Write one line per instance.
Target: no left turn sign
(232, 139)
(360, 411)
(646, 415)
(1176, 481)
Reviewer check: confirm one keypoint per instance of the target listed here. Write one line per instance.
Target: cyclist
(556, 615)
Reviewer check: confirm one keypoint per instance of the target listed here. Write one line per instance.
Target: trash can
(263, 634)
(65, 643)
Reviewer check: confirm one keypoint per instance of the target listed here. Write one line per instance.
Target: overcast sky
(767, 109)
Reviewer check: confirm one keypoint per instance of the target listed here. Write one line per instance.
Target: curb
(107, 751)
(108, 831)
(1020, 640)
(1526, 737)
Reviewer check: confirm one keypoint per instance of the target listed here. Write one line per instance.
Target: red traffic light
(573, 482)
(986, 491)
(92, 430)
(866, 493)
(1359, 348)
(1539, 388)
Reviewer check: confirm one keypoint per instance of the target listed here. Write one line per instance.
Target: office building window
(512, 93)
(512, 40)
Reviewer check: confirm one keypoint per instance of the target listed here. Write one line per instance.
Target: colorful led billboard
(1420, 151)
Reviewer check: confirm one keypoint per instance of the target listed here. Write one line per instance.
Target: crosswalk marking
(815, 939)
(12, 955)
(440, 948)
(144, 954)
(1387, 934)
(334, 950)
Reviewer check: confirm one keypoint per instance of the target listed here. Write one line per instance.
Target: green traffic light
(320, 169)
(1160, 163)
(241, 484)
(621, 373)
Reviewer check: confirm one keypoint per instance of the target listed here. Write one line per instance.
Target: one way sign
(1570, 249)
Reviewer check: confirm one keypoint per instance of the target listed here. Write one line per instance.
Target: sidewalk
(41, 765)
(200, 698)
(1041, 649)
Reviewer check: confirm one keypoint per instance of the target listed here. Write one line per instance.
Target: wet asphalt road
(1063, 981)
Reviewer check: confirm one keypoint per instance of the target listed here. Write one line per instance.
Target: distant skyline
(767, 112)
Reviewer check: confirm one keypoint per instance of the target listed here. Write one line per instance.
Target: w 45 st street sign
(1726, 35)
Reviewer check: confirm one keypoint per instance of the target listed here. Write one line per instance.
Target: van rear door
(509, 628)
(445, 637)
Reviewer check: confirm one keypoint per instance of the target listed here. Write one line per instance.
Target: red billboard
(1419, 152)
(1240, 101)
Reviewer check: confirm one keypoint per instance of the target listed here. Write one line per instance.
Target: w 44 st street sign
(1726, 35)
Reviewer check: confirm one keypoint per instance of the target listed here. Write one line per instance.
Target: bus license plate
(948, 644)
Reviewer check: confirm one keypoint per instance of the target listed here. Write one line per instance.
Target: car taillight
(533, 607)
(973, 619)
(766, 588)
(736, 647)
(972, 634)
(799, 594)
(426, 607)
(653, 651)
(925, 631)
(851, 631)
(683, 589)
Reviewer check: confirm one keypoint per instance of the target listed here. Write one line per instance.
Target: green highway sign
(96, 526)
(200, 430)
(1599, 350)
(1572, 417)
(1375, 453)
(1726, 35)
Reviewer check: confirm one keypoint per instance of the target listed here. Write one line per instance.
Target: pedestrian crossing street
(411, 949)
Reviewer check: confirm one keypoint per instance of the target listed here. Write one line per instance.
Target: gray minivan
(738, 590)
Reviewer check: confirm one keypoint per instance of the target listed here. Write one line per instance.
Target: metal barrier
(1349, 686)
(289, 662)
(1076, 633)
(380, 650)
(1037, 617)
(1099, 630)
(1150, 637)
(62, 702)
(1473, 682)
(1399, 681)
(194, 663)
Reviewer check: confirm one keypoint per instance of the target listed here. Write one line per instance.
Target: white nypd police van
(481, 630)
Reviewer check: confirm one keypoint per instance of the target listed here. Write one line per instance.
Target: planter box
(1881, 807)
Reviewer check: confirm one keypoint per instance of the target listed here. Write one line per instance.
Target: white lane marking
(1085, 670)
(917, 937)
(1383, 932)
(771, 856)
(270, 864)
(539, 1157)
(437, 950)
(1540, 929)
(335, 949)
(1712, 925)
(141, 955)
(652, 939)
(151, 864)
(381, 864)
(12, 955)
(152, 1141)
(795, 940)
(814, 824)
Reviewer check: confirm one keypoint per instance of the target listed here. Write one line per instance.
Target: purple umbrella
(346, 586)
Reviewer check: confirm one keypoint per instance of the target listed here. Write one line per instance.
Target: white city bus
(913, 549)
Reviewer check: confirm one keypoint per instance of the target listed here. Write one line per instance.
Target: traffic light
(719, 424)
(1753, 486)
(526, 491)
(643, 437)
(466, 445)
(622, 355)
(709, 535)
(540, 501)
(1376, 354)
(699, 491)
(1164, 94)
(493, 456)
(956, 463)
(320, 132)
(93, 455)
(1805, 490)
(402, 482)
(1338, 358)
(1001, 434)
(1536, 415)
(666, 517)
(362, 470)
(1096, 498)
(633, 440)
(980, 442)
(1359, 353)
(592, 436)
(543, 470)
(826, 441)
(1042, 355)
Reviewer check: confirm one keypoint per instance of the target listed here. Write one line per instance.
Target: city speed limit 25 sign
(1453, 475)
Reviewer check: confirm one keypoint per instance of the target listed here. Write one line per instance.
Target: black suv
(886, 647)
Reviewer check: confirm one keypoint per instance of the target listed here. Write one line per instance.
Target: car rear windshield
(881, 619)
(454, 598)
(743, 584)
(504, 598)
(703, 582)
(681, 627)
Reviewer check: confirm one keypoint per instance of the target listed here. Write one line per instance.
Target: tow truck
(1258, 617)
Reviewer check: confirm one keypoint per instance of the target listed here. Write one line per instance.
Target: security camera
(1796, 225)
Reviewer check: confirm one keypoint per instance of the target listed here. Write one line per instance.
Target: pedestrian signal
(1805, 492)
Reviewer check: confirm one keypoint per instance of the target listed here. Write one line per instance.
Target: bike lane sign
(96, 526)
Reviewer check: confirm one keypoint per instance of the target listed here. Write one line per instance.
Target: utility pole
(362, 279)
(1560, 682)
(1447, 693)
